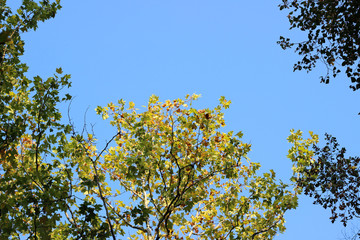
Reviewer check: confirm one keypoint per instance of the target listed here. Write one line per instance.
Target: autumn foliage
(168, 171)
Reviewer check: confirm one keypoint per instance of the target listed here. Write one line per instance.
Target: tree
(167, 173)
(29, 127)
(333, 38)
(17, 107)
(332, 180)
(186, 179)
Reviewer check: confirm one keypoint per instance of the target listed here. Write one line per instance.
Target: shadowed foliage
(333, 38)
(333, 181)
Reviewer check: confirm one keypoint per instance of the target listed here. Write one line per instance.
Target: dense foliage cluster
(187, 179)
(30, 193)
(333, 36)
(333, 180)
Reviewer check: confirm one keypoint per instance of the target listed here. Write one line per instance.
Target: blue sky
(132, 49)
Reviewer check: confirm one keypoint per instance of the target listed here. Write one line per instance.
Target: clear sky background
(131, 49)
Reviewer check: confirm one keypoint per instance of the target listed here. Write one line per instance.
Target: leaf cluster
(187, 179)
(333, 181)
(333, 38)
